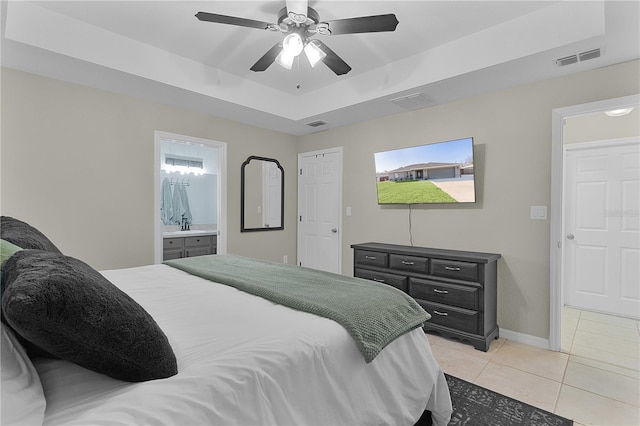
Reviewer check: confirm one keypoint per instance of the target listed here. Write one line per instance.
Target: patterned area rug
(474, 405)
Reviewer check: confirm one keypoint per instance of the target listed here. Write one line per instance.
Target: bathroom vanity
(179, 244)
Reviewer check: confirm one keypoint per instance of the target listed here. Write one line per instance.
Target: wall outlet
(285, 259)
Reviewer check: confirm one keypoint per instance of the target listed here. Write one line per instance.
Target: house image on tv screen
(426, 171)
(445, 174)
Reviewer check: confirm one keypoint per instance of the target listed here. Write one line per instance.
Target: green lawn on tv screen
(411, 192)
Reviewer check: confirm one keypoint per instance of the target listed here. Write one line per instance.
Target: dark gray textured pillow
(66, 308)
(24, 235)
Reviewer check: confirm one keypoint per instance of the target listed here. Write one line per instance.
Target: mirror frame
(242, 192)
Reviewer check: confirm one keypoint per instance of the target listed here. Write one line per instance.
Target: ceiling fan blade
(268, 58)
(333, 61)
(364, 24)
(297, 8)
(232, 20)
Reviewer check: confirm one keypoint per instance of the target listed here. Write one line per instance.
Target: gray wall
(512, 135)
(62, 144)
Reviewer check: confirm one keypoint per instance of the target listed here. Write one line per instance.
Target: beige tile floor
(594, 380)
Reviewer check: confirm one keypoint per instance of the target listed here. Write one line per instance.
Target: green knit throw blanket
(374, 314)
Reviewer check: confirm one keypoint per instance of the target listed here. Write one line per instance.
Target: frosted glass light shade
(292, 44)
(314, 53)
(285, 59)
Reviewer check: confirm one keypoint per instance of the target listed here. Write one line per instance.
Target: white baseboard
(526, 339)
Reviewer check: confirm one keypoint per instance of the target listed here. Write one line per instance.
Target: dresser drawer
(205, 240)
(416, 264)
(448, 294)
(453, 269)
(397, 281)
(371, 258)
(169, 243)
(448, 316)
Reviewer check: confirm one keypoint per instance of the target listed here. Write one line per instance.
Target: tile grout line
(488, 360)
(601, 396)
(601, 368)
(562, 383)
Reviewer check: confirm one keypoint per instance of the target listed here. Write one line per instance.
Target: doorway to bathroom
(190, 190)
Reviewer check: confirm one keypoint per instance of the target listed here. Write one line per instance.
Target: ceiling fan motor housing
(304, 28)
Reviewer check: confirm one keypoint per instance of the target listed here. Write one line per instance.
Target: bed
(241, 360)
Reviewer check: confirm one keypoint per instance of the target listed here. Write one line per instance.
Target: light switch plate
(538, 212)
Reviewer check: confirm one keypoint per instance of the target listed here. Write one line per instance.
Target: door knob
(570, 237)
(334, 230)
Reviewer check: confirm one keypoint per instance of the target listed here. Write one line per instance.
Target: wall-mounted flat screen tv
(432, 173)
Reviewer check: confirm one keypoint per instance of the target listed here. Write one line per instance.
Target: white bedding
(243, 360)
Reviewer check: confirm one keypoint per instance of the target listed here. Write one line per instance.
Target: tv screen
(432, 173)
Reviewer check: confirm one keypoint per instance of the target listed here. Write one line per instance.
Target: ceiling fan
(300, 22)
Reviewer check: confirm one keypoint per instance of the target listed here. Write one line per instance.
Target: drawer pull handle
(378, 280)
(405, 262)
(440, 291)
(370, 257)
(444, 314)
(451, 268)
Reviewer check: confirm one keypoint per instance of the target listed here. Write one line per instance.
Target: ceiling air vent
(579, 57)
(413, 101)
(591, 54)
(567, 60)
(317, 123)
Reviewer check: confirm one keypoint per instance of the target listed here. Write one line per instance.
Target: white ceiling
(446, 50)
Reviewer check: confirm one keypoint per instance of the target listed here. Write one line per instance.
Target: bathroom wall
(201, 188)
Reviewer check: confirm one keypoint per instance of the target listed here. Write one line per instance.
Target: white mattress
(243, 360)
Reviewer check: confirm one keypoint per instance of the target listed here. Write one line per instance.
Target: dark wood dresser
(458, 288)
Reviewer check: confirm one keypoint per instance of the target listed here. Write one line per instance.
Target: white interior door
(602, 227)
(319, 209)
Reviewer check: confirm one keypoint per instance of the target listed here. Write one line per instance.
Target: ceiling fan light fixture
(297, 22)
(292, 44)
(314, 53)
(285, 60)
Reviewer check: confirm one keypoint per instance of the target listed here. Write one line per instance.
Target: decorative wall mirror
(262, 195)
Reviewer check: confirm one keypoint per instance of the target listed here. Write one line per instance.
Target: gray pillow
(69, 310)
(24, 235)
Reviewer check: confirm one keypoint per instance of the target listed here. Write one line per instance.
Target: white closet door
(319, 210)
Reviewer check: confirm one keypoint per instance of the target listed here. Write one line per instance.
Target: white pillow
(22, 399)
